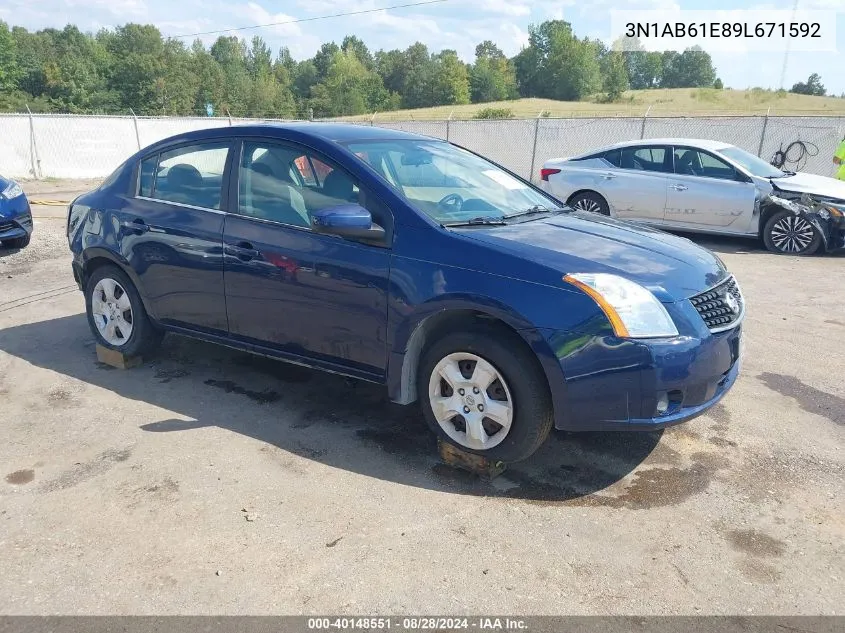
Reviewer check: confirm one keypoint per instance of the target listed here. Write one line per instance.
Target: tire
(18, 242)
(789, 234)
(519, 382)
(110, 293)
(589, 201)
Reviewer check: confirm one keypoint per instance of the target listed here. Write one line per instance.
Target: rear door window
(649, 158)
(190, 175)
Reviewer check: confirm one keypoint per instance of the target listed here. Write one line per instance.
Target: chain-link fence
(68, 146)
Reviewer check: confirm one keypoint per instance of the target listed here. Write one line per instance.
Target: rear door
(172, 234)
(705, 192)
(636, 185)
(300, 293)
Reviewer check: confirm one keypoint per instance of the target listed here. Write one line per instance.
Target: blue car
(15, 215)
(410, 262)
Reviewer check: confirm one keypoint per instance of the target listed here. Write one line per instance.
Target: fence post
(372, 119)
(763, 133)
(230, 117)
(449, 124)
(642, 128)
(534, 149)
(137, 135)
(33, 147)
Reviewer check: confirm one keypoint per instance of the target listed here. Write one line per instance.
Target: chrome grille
(6, 226)
(721, 307)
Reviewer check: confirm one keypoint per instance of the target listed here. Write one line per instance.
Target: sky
(455, 24)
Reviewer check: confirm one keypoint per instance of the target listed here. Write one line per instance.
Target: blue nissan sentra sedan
(414, 263)
(15, 215)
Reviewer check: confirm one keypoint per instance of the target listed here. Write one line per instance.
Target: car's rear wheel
(589, 201)
(485, 393)
(18, 242)
(116, 313)
(791, 234)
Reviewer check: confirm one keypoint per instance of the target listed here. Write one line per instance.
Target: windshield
(755, 166)
(447, 183)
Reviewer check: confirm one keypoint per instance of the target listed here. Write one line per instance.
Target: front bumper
(616, 384)
(15, 218)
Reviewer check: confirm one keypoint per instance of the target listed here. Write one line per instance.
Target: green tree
(557, 64)
(352, 44)
(9, 69)
(614, 75)
(259, 59)
(450, 82)
(691, 69)
(345, 89)
(813, 86)
(492, 77)
(418, 81)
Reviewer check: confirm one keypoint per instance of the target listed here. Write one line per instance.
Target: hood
(812, 184)
(673, 268)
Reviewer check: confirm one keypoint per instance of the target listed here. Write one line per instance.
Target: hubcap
(112, 312)
(792, 234)
(470, 400)
(587, 204)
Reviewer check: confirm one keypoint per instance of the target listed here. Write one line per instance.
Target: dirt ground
(207, 481)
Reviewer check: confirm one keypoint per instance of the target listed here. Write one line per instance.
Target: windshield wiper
(537, 208)
(479, 221)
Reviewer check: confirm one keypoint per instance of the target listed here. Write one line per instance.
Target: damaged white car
(706, 187)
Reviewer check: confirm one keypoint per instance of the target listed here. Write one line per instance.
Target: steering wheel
(451, 203)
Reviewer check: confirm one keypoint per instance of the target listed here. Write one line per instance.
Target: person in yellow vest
(839, 159)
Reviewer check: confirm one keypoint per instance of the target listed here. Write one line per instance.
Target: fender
(409, 340)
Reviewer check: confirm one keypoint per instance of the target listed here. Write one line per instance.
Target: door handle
(679, 187)
(608, 176)
(136, 225)
(244, 251)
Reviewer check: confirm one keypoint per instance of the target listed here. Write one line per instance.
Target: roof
(337, 132)
(327, 132)
(701, 143)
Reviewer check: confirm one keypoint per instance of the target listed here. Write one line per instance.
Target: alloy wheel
(792, 234)
(587, 204)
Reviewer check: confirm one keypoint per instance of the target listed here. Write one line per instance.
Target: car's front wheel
(484, 392)
(791, 234)
(116, 313)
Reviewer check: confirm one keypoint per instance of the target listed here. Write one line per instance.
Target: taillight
(546, 172)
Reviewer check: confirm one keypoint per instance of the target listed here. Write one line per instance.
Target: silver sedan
(703, 186)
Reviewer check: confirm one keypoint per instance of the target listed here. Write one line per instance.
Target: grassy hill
(663, 102)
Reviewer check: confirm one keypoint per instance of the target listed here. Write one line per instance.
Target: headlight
(631, 309)
(12, 191)
(836, 210)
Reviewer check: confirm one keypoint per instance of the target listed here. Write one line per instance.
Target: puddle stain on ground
(809, 398)
(84, 471)
(166, 375)
(261, 397)
(755, 543)
(20, 477)
(757, 571)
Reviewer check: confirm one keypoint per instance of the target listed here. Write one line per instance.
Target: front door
(303, 294)
(707, 193)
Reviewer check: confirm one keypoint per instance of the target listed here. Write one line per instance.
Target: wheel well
(93, 264)
(765, 213)
(435, 326)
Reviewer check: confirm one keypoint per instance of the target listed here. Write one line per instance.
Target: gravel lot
(209, 481)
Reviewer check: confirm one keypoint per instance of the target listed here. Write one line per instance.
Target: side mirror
(346, 220)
